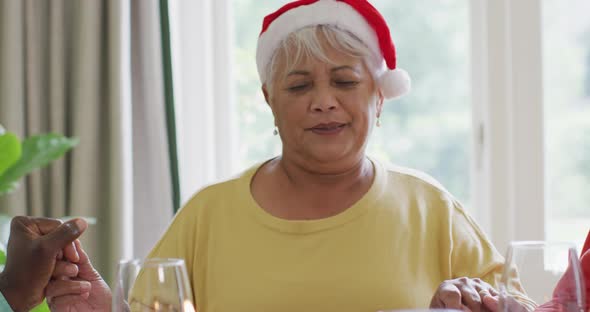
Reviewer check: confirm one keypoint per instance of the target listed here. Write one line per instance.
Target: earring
(378, 121)
(275, 131)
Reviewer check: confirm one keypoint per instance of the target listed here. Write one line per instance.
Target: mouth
(331, 128)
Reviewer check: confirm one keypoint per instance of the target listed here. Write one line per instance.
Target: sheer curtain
(206, 117)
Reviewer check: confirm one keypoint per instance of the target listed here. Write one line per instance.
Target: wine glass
(544, 276)
(152, 285)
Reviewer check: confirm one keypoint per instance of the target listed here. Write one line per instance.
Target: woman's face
(324, 111)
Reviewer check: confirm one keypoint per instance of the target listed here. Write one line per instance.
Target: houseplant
(18, 159)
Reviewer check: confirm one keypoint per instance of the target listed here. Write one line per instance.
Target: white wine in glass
(543, 276)
(152, 285)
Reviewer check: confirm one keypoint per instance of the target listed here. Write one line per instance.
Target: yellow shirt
(390, 250)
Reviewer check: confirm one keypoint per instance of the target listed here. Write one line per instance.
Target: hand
(34, 246)
(64, 294)
(465, 294)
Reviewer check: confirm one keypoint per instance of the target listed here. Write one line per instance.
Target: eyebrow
(344, 67)
(306, 73)
(298, 72)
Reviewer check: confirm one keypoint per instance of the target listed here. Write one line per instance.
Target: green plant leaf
(42, 307)
(37, 151)
(10, 150)
(2, 254)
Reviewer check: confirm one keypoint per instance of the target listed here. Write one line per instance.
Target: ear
(380, 100)
(267, 100)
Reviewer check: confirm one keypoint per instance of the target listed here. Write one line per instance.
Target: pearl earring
(378, 121)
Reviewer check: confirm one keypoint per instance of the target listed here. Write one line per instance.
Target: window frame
(508, 171)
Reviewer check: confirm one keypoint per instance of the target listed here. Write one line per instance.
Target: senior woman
(323, 227)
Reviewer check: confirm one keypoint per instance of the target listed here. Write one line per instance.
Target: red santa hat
(358, 17)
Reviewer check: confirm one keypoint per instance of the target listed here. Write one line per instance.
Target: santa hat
(358, 17)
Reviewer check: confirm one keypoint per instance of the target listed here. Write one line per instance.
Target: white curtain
(202, 44)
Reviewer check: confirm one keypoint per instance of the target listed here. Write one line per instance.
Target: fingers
(450, 296)
(490, 302)
(46, 225)
(65, 303)
(61, 234)
(466, 294)
(24, 225)
(493, 292)
(513, 305)
(57, 288)
(470, 297)
(83, 255)
(64, 235)
(86, 270)
(71, 253)
(64, 269)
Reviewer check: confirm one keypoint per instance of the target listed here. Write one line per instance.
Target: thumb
(64, 234)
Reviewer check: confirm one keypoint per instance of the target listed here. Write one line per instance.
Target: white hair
(307, 42)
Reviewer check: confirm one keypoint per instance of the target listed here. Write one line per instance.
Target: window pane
(566, 67)
(257, 142)
(428, 130)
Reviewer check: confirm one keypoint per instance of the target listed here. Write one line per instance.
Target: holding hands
(465, 294)
(64, 293)
(39, 249)
(45, 259)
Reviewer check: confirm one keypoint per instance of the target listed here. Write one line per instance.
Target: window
(566, 91)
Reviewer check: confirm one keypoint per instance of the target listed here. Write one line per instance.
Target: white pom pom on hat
(358, 17)
(395, 83)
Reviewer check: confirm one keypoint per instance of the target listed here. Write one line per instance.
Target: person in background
(39, 248)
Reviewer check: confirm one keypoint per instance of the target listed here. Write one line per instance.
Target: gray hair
(306, 42)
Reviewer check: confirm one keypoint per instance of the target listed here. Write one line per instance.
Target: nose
(324, 100)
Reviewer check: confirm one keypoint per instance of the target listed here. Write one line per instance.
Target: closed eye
(346, 83)
(299, 87)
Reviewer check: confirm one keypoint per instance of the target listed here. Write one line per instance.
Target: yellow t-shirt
(390, 250)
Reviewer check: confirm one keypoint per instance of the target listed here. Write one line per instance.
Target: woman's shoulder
(418, 191)
(233, 189)
(412, 180)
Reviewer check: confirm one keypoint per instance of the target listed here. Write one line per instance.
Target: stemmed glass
(543, 276)
(152, 285)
